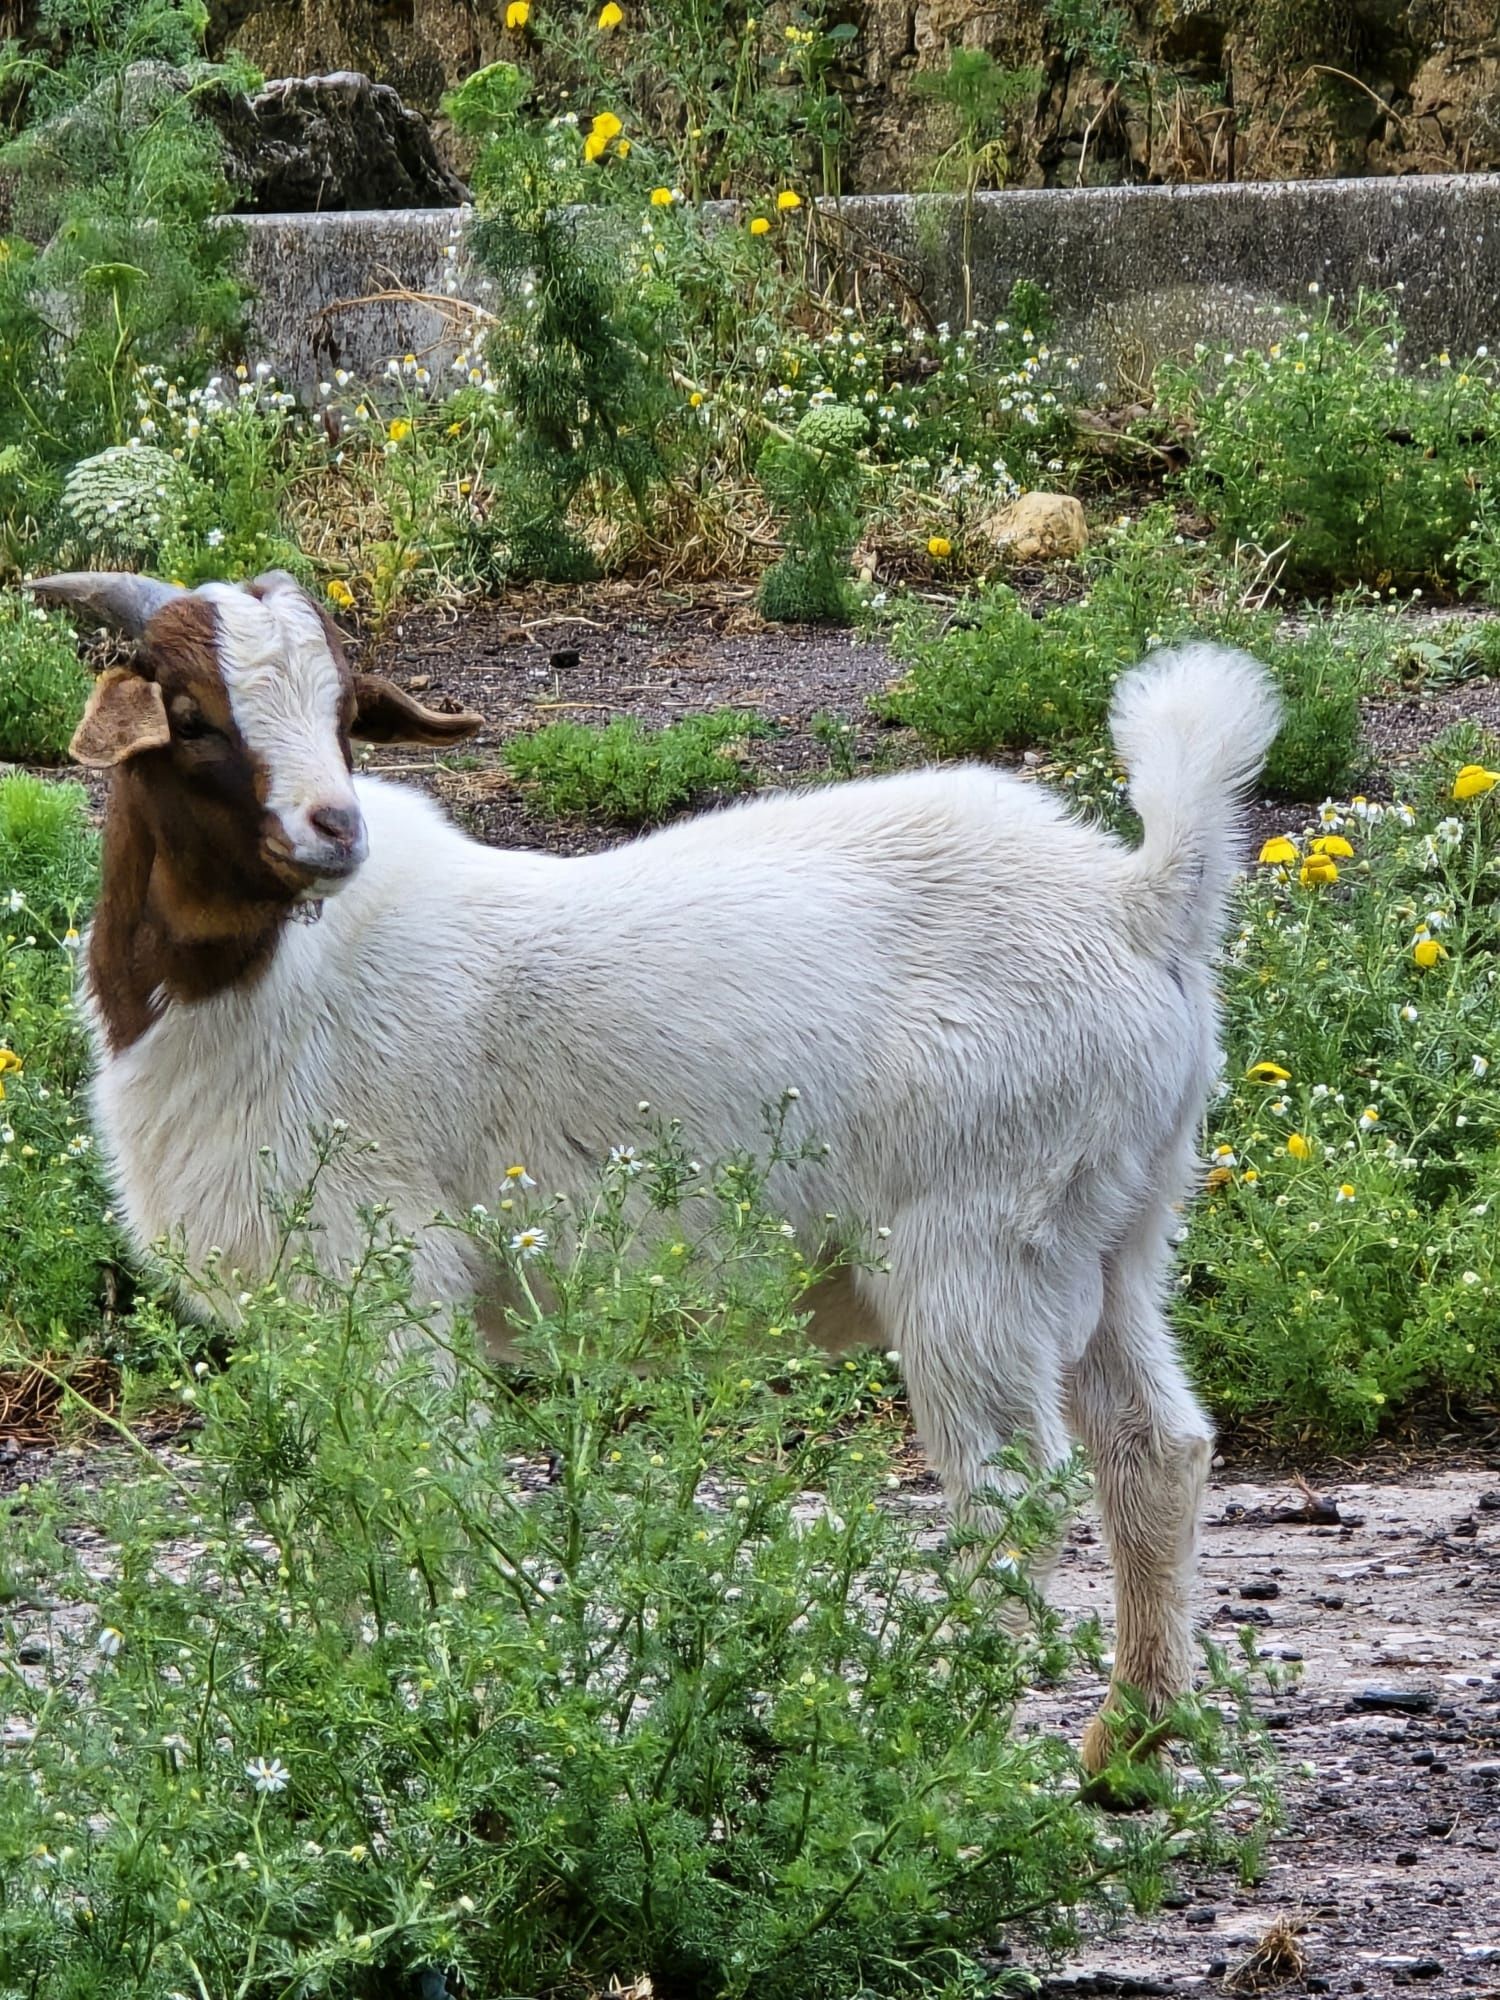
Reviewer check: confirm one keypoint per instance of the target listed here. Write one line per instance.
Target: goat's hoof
(1124, 1762)
(1097, 1750)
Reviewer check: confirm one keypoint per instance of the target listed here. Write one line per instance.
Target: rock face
(330, 142)
(1213, 90)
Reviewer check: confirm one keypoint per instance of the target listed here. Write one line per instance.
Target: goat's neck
(164, 929)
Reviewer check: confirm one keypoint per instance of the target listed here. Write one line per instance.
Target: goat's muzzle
(320, 850)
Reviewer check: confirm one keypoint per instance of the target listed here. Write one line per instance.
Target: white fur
(1001, 1021)
(284, 691)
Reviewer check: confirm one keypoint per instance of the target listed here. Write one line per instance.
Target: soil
(588, 655)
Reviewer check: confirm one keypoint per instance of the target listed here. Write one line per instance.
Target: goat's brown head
(233, 728)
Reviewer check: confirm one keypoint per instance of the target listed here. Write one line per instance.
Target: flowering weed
(642, 1671)
(1342, 1272)
(1332, 450)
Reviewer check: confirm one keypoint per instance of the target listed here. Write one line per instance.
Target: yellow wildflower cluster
(604, 133)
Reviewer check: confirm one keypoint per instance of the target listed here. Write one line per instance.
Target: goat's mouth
(312, 874)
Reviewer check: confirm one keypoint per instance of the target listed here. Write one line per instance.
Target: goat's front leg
(981, 1334)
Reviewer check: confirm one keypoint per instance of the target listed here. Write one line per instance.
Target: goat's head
(234, 728)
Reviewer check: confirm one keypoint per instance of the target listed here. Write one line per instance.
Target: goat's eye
(195, 728)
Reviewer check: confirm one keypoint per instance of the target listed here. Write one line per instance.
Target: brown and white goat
(1001, 1020)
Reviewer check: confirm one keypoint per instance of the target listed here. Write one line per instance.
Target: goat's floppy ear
(383, 714)
(125, 715)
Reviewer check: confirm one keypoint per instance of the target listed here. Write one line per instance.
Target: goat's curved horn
(114, 597)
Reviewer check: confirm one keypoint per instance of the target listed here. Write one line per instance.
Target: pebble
(1394, 1700)
(1260, 1588)
(33, 1649)
(1201, 1915)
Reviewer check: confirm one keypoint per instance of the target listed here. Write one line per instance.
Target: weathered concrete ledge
(1134, 273)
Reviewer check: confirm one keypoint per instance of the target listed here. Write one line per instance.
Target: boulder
(330, 142)
(1038, 525)
(300, 143)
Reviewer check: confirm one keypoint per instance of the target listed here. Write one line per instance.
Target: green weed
(628, 775)
(43, 683)
(642, 1672)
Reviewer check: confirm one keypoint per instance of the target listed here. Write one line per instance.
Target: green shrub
(1343, 1273)
(998, 678)
(54, 1238)
(43, 683)
(1330, 451)
(631, 776)
(642, 1673)
(111, 265)
(815, 479)
(576, 356)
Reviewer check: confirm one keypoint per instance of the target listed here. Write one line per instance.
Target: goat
(1001, 1020)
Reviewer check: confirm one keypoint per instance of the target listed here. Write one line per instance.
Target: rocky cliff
(1170, 90)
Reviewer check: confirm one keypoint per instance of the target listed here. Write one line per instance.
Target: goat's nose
(339, 823)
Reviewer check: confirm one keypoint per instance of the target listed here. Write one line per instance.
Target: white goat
(1001, 1020)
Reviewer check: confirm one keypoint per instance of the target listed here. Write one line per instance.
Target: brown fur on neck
(155, 938)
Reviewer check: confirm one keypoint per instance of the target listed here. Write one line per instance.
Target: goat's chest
(209, 1113)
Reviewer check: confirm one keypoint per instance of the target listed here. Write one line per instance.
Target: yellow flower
(1334, 843)
(1268, 1072)
(1278, 853)
(10, 1063)
(517, 14)
(339, 593)
(759, 225)
(623, 149)
(661, 197)
(788, 199)
(606, 126)
(1427, 951)
(454, 429)
(610, 17)
(939, 547)
(1317, 871)
(695, 401)
(1346, 1191)
(1298, 1147)
(397, 429)
(1473, 781)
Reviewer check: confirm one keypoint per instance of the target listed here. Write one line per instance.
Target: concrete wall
(1135, 273)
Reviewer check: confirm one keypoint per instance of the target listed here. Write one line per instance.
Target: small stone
(1394, 1700)
(563, 658)
(1407, 1858)
(1201, 1915)
(1330, 1601)
(1036, 525)
(1426, 1968)
(33, 1649)
(1489, 1503)
(1466, 1529)
(419, 683)
(1260, 1588)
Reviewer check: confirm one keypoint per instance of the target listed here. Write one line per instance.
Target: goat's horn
(114, 597)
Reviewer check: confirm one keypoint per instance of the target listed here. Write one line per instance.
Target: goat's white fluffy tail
(1192, 727)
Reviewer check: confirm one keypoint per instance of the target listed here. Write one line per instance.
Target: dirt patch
(617, 650)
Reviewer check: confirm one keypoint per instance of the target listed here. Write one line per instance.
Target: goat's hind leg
(1132, 1405)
